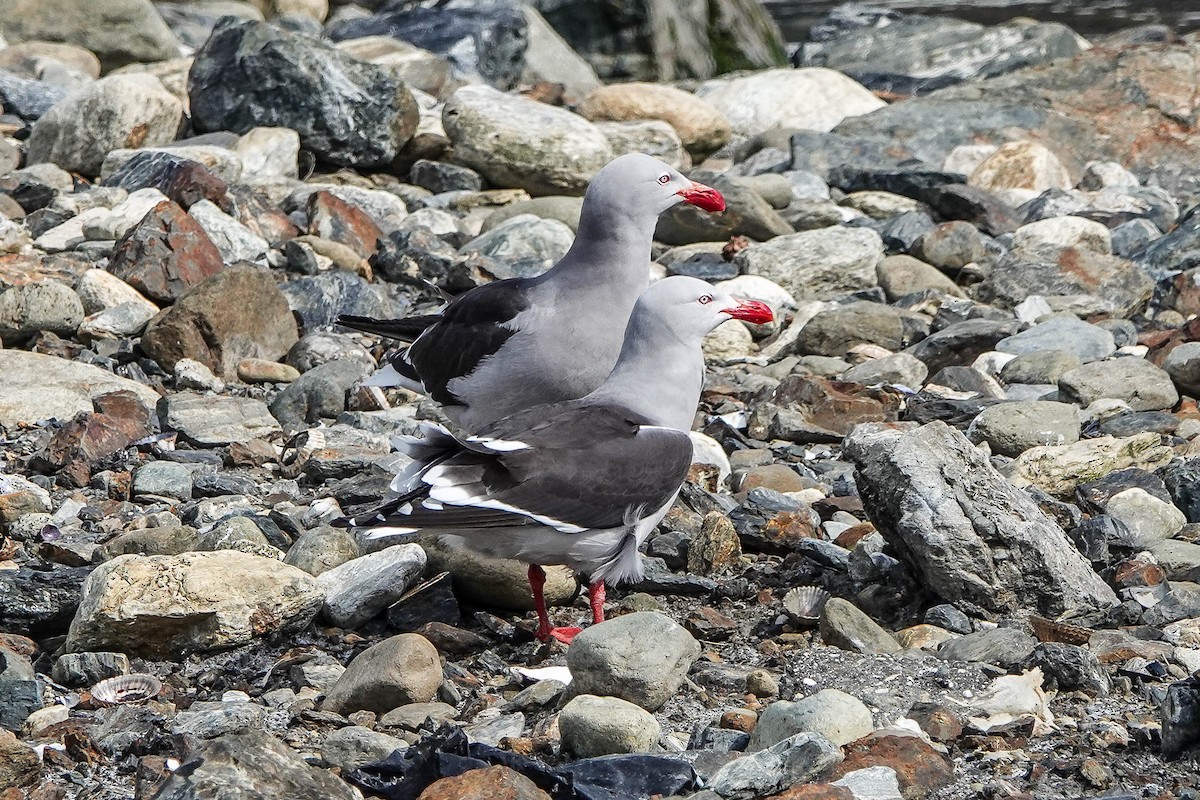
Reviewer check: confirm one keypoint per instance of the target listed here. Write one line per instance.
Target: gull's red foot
(564, 635)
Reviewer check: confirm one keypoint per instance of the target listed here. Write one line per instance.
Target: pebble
(401, 669)
(816, 265)
(701, 128)
(839, 717)
(1149, 519)
(843, 625)
(609, 659)
(1012, 428)
(259, 370)
(163, 479)
(600, 726)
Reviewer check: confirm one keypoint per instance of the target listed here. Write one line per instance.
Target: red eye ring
(664, 179)
(706, 299)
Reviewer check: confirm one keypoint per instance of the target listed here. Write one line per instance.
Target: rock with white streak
(234, 240)
(357, 590)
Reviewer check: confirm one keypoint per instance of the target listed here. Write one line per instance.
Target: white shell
(126, 689)
(804, 603)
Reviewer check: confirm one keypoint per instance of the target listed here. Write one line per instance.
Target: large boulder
(663, 40)
(237, 314)
(523, 144)
(131, 110)
(170, 606)
(822, 264)
(701, 127)
(117, 31)
(40, 387)
(348, 112)
(973, 538)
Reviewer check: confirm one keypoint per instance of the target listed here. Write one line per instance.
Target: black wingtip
(342, 522)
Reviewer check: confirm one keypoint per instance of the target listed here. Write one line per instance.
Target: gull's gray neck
(658, 374)
(611, 248)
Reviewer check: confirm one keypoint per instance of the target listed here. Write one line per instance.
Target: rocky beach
(941, 535)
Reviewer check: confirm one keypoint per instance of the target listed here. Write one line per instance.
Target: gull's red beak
(703, 196)
(751, 311)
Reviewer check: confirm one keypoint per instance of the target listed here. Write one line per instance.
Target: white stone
(756, 287)
(707, 450)
(269, 152)
(191, 374)
(99, 289)
(1149, 519)
(729, 340)
(125, 319)
(812, 98)
(69, 234)
(966, 157)
(1020, 171)
(872, 783)
(822, 264)
(124, 215)
(40, 386)
(234, 240)
(1065, 232)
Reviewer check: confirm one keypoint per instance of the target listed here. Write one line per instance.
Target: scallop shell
(126, 689)
(1047, 630)
(805, 603)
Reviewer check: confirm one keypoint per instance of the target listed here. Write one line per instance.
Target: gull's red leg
(596, 596)
(537, 581)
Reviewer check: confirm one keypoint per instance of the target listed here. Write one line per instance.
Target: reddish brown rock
(235, 315)
(779, 477)
(489, 783)
(940, 722)
(165, 254)
(739, 719)
(334, 219)
(809, 409)
(255, 211)
(920, 768)
(121, 419)
(710, 625)
(19, 763)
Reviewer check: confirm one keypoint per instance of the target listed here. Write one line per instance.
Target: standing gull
(512, 344)
(580, 482)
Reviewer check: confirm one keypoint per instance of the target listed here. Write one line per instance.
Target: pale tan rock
(701, 126)
(1058, 469)
(1020, 171)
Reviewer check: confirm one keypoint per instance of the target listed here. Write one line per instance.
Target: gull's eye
(706, 299)
(664, 179)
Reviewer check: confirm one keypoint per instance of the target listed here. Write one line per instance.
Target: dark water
(1087, 17)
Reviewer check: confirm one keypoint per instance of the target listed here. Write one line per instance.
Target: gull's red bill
(703, 196)
(751, 311)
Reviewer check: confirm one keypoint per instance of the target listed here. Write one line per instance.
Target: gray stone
(1067, 333)
(549, 58)
(169, 606)
(519, 143)
(1183, 365)
(530, 244)
(234, 240)
(322, 548)
(164, 479)
(876, 783)
(951, 246)
(320, 672)
(611, 659)
(564, 209)
(1012, 428)
(251, 764)
(1180, 560)
(215, 421)
(320, 393)
(208, 720)
(845, 626)
(798, 759)
(823, 264)
(314, 349)
(1041, 367)
(411, 716)
(495, 582)
(839, 717)
(402, 669)
(593, 726)
(972, 538)
(357, 590)
(1136, 381)
(34, 307)
(123, 321)
(903, 369)
(351, 747)
(960, 343)
(117, 111)
(1149, 519)
(84, 669)
(118, 32)
(1004, 646)
(1181, 602)
(236, 533)
(904, 275)
(349, 112)
(652, 137)
(835, 331)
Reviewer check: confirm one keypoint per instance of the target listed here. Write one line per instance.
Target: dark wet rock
(166, 254)
(1135, 422)
(822, 153)
(182, 180)
(18, 699)
(431, 601)
(348, 112)
(320, 299)
(237, 314)
(913, 53)
(39, 602)
(948, 617)
(1179, 249)
(1180, 715)
(1041, 569)
(1004, 646)
(438, 177)
(482, 41)
(28, 99)
(1182, 478)
(251, 764)
(962, 342)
